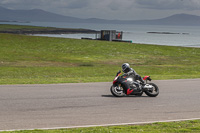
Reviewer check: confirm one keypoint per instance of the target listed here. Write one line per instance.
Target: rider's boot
(140, 88)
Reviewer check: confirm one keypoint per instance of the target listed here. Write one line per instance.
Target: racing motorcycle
(150, 89)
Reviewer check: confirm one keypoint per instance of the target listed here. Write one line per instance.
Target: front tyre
(117, 91)
(153, 92)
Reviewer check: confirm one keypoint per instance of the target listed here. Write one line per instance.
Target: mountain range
(44, 16)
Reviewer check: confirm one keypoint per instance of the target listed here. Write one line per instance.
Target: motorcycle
(150, 89)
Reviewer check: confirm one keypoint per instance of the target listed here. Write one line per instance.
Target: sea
(186, 36)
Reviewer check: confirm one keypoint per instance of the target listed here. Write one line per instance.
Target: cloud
(121, 5)
(71, 4)
(104, 4)
(23, 4)
(169, 4)
(109, 9)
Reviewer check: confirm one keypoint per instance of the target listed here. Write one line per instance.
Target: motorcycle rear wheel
(152, 92)
(117, 91)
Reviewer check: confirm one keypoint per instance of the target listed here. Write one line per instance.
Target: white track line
(104, 125)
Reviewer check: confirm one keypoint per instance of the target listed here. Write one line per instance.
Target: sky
(109, 9)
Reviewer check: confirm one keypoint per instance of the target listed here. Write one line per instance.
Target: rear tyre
(152, 92)
(117, 91)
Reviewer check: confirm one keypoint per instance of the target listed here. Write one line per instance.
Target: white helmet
(126, 67)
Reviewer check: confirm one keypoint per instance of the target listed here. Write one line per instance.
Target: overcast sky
(109, 9)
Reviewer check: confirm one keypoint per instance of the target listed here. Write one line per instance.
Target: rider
(130, 72)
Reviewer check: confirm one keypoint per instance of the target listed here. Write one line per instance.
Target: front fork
(119, 87)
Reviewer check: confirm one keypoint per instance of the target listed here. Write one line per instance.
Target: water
(135, 33)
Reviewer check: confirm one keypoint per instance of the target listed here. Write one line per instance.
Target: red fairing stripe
(114, 81)
(129, 91)
(145, 77)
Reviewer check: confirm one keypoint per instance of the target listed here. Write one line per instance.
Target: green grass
(43, 60)
(26, 29)
(171, 127)
(39, 60)
(8, 27)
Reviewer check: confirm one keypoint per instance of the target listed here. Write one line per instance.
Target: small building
(110, 35)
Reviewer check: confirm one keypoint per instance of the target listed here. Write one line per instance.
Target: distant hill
(44, 16)
(177, 19)
(34, 15)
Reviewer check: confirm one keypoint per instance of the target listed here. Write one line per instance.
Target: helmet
(126, 67)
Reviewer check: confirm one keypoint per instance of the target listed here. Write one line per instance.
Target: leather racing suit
(131, 74)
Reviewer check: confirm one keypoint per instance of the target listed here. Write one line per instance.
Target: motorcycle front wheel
(117, 91)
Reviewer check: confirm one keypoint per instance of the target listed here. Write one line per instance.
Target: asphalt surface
(83, 104)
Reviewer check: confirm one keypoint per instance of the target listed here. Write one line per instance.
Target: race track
(83, 104)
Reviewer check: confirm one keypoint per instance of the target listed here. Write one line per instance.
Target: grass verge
(161, 127)
(39, 60)
(44, 60)
(25, 29)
